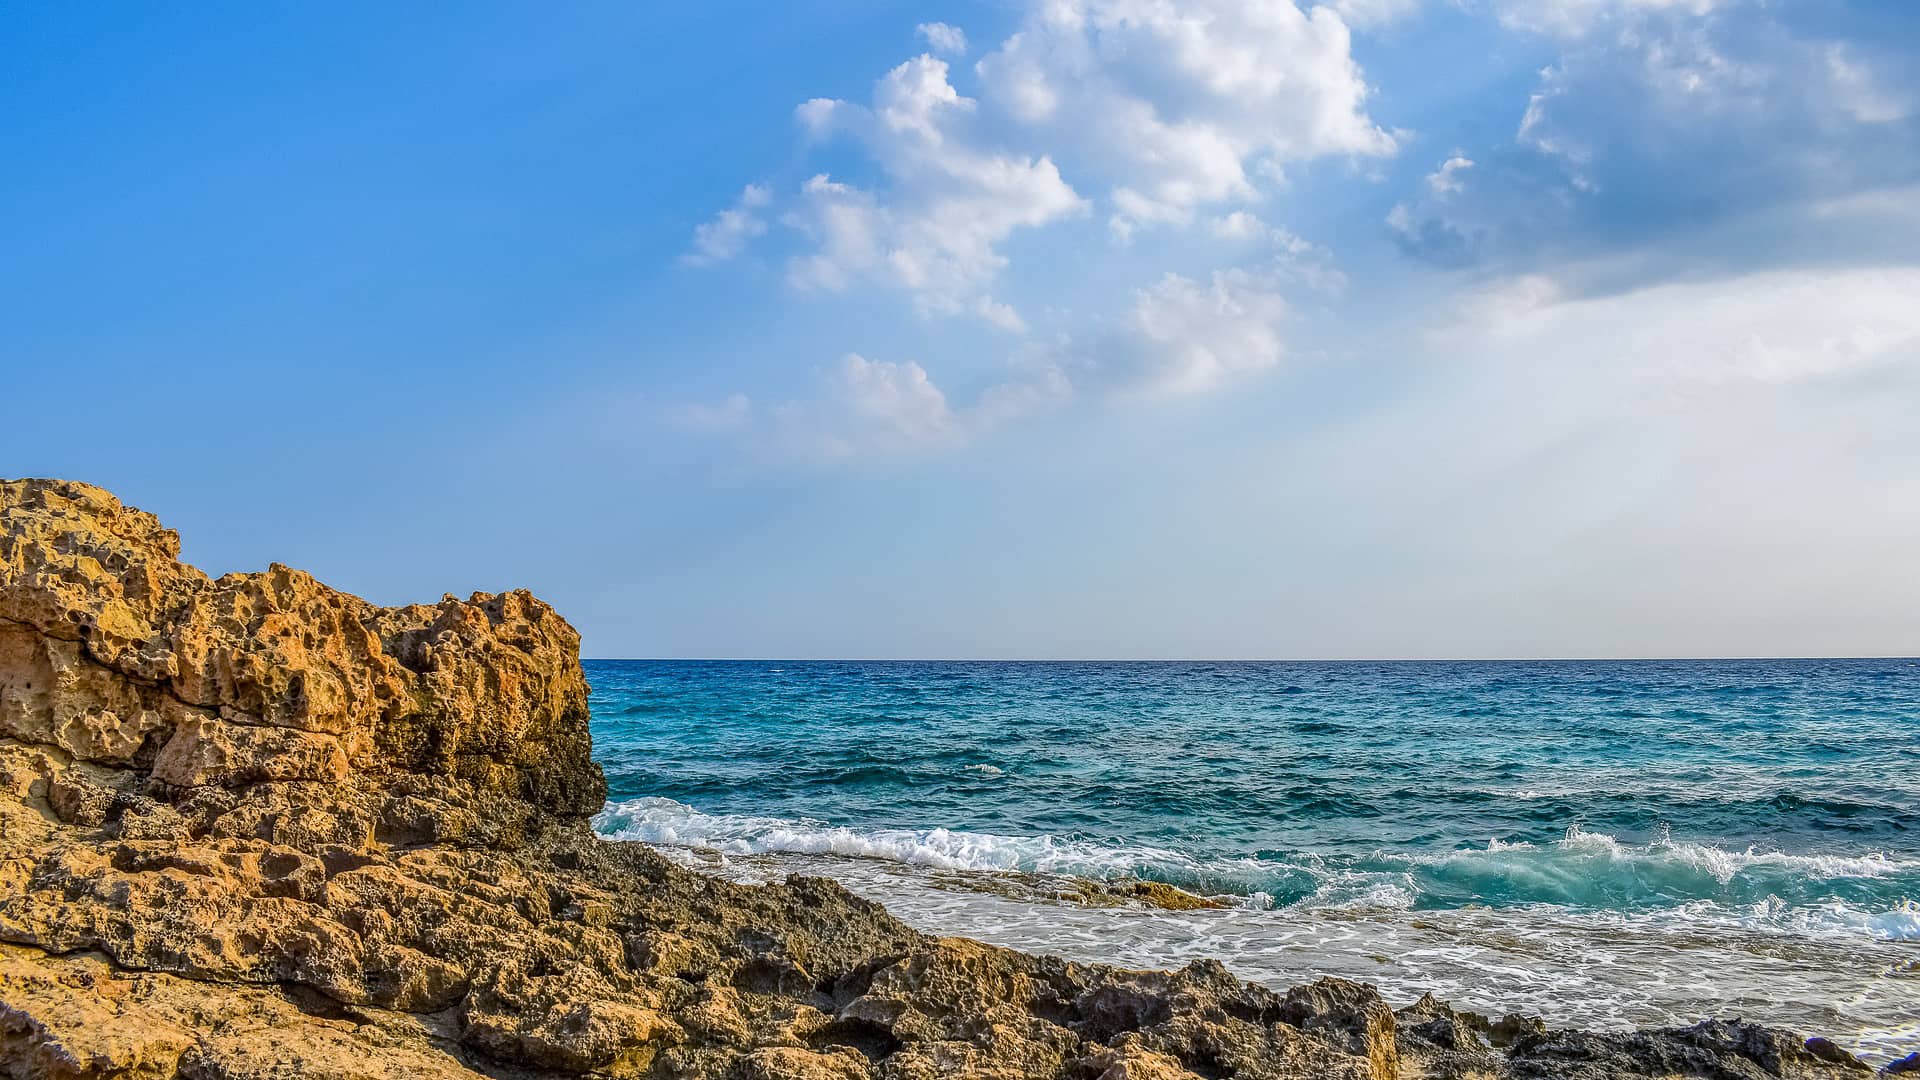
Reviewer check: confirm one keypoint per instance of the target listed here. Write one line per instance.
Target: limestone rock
(1161, 895)
(113, 651)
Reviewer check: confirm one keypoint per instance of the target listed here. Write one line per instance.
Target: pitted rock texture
(252, 827)
(115, 652)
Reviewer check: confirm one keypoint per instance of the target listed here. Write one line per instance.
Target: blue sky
(1062, 328)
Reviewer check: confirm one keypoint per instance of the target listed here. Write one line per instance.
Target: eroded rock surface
(253, 827)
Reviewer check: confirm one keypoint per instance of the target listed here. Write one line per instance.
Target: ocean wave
(665, 821)
(672, 823)
(1592, 869)
(1866, 894)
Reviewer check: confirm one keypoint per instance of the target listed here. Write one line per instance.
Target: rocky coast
(255, 827)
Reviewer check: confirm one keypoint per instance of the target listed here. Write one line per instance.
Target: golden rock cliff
(114, 652)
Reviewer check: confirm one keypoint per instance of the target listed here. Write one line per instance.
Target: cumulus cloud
(1184, 336)
(1182, 106)
(732, 229)
(1167, 111)
(943, 39)
(935, 230)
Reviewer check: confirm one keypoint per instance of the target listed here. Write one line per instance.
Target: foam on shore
(1754, 890)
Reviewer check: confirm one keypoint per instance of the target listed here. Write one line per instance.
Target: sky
(1014, 329)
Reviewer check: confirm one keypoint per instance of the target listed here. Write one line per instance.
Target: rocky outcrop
(253, 827)
(114, 652)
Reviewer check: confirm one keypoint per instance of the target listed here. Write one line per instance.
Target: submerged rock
(255, 827)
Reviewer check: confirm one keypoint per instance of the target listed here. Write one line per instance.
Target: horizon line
(1222, 660)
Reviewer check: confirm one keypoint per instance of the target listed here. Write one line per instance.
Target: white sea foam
(1683, 881)
(664, 821)
(1599, 850)
(1898, 923)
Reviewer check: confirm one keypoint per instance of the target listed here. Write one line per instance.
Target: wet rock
(1354, 1014)
(1513, 1027)
(1438, 1024)
(1437, 1040)
(1719, 1049)
(1162, 895)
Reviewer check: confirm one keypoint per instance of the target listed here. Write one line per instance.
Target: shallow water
(1599, 843)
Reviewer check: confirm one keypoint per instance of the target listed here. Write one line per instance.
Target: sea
(1602, 844)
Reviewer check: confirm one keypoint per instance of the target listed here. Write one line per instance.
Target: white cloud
(816, 116)
(1183, 106)
(1575, 18)
(1294, 258)
(886, 405)
(1239, 225)
(943, 39)
(1425, 226)
(732, 229)
(1168, 110)
(1371, 14)
(1179, 336)
(1185, 336)
(1898, 205)
(1446, 179)
(935, 228)
(864, 409)
(1859, 91)
(1038, 383)
(848, 228)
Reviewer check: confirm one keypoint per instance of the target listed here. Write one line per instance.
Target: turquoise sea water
(1602, 842)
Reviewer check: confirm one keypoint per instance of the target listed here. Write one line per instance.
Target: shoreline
(1470, 957)
(255, 827)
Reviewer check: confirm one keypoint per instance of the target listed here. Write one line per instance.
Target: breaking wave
(1865, 894)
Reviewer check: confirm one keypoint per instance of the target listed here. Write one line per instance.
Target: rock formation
(252, 827)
